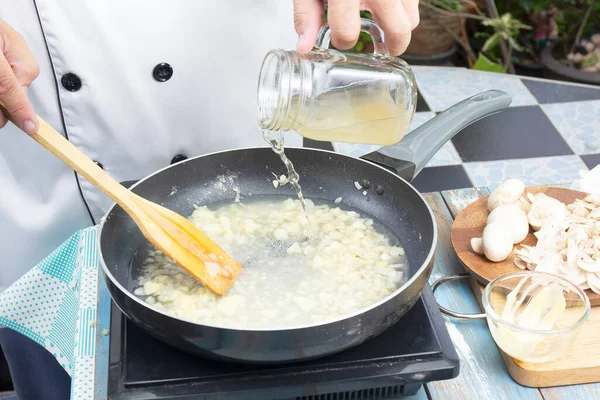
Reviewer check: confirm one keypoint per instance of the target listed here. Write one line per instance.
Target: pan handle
(418, 146)
(444, 310)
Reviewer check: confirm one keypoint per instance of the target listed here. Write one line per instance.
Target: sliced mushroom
(571, 251)
(524, 204)
(578, 210)
(522, 263)
(593, 280)
(587, 263)
(584, 286)
(550, 264)
(568, 237)
(578, 278)
(543, 208)
(594, 214)
(592, 199)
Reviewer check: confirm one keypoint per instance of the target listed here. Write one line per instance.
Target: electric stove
(396, 363)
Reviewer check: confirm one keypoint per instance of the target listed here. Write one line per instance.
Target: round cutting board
(470, 223)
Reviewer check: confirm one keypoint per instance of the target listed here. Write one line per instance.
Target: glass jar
(329, 95)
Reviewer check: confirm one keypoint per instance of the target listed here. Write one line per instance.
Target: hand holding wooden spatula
(171, 233)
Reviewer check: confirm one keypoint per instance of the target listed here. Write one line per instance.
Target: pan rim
(356, 313)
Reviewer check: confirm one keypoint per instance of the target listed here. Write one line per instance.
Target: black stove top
(414, 351)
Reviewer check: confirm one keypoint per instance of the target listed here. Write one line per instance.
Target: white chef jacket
(103, 84)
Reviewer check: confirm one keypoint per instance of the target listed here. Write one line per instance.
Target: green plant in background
(364, 40)
(449, 5)
(518, 33)
(506, 27)
(558, 20)
(500, 33)
(519, 30)
(568, 19)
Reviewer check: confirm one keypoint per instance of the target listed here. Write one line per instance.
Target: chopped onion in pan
(297, 271)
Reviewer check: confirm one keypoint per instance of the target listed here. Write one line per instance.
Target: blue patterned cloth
(55, 305)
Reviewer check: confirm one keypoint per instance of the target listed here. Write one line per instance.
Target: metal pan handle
(444, 310)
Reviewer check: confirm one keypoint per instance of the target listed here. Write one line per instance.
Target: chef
(136, 86)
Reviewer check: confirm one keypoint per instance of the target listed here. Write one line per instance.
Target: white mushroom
(594, 282)
(524, 204)
(524, 262)
(514, 218)
(578, 210)
(544, 207)
(593, 199)
(595, 214)
(527, 257)
(587, 263)
(549, 264)
(477, 245)
(508, 192)
(497, 242)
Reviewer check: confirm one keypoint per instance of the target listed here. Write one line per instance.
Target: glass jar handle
(367, 26)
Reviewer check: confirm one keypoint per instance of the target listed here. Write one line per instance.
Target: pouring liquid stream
(275, 140)
(354, 116)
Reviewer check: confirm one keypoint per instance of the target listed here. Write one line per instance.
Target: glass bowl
(533, 316)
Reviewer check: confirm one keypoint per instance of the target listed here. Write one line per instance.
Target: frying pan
(325, 176)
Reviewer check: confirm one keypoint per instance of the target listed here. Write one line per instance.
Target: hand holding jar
(397, 18)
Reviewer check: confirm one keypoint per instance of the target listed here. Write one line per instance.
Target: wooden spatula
(171, 233)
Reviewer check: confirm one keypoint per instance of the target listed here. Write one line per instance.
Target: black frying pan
(325, 176)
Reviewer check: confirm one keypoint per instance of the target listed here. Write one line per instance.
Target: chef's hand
(397, 18)
(18, 68)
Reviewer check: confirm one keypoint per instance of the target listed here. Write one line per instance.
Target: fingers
(18, 69)
(391, 16)
(24, 65)
(344, 20)
(3, 120)
(412, 12)
(397, 18)
(14, 99)
(308, 17)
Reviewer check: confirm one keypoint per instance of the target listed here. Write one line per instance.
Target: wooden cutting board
(472, 220)
(580, 364)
